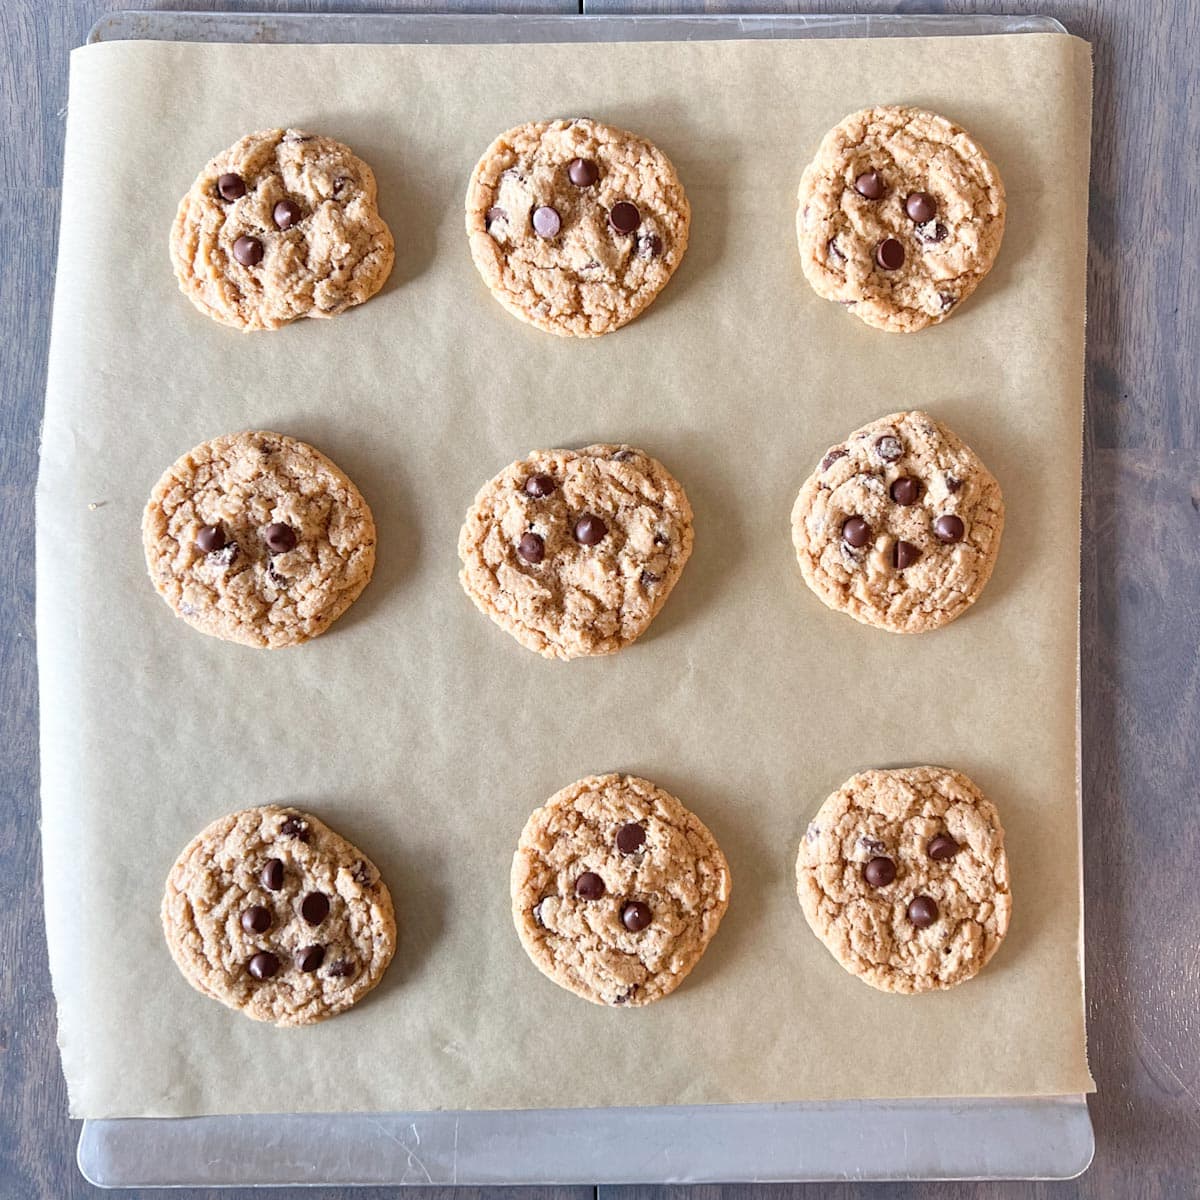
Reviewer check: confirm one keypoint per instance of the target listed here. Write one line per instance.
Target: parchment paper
(421, 731)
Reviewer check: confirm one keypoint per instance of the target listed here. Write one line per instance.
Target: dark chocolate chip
(209, 538)
(310, 958)
(537, 914)
(231, 186)
(295, 827)
(589, 886)
(832, 457)
(624, 217)
(948, 301)
(512, 173)
(286, 214)
(271, 876)
(889, 448)
(942, 847)
(630, 838)
(831, 247)
(263, 965)
(531, 548)
(920, 206)
(590, 530)
(949, 528)
(342, 969)
(906, 490)
(494, 214)
(582, 172)
(273, 575)
(362, 874)
(280, 538)
(339, 183)
(635, 916)
(922, 911)
(661, 539)
(933, 231)
(869, 185)
(953, 484)
(315, 907)
(622, 456)
(256, 919)
(856, 532)
(649, 245)
(904, 554)
(648, 578)
(248, 251)
(879, 872)
(540, 486)
(546, 221)
(889, 254)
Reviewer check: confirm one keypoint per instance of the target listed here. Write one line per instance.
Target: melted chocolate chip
(831, 248)
(540, 486)
(494, 214)
(295, 827)
(531, 548)
(589, 886)
(231, 186)
(952, 484)
(280, 538)
(623, 456)
(661, 539)
(226, 556)
(904, 554)
(209, 538)
(889, 254)
(631, 837)
(362, 874)
(624, 217)
(342, 969)
(889, 448)
(648, 578)
(931, 233)
(649, 245)
(256, 919)
(315, 907)
(832, 457)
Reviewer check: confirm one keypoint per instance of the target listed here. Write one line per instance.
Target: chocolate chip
(248, 251)
(635, 916)
(546, 221)
(879, 872)
(590, 530)
(540, 486)
(933, 231)
(904, 554)
(263, 965)
(649, 577)
(906, 490)
(256, 919)
(920, 206)
(295, 827)
(948, 301)
(582, 172)
(889, 448)
(622, 456)
(339, 183)
(537, 913)
(624, 217)
(271, 876)
(294, 135)
(209, 538)
(362, 874)
(874, 845)
(869, 185)
(310, 958)
(342, 969)
(274, 576)
(286, 214)
(831, 247)
(922, 911)
(649, 245)
(856, 532)
(630, 838)
(231, 186)
(226, 556)
(589, 886)
(280, 538)
(531, 548)
(314, 908)
(512, 173)
(832, 457)
(661, 539)
(942, 847)
(889, 254)
(949, 528)
(952, 484)
(493, 214)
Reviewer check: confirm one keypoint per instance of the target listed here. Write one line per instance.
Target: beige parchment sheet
(425, 734)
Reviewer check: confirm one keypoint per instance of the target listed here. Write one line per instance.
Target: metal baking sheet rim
(1020, 1138)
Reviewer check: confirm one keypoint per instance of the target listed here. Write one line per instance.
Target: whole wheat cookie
(575, 226)
(573, 552)
(272, 913)
(899, 525)
(900, 216)
(617, 889)
(903, 875)
(258, 538)
(282, 225)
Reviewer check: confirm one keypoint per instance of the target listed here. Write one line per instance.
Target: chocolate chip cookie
(258, 538)
(900, 216)
(903, 875)
(617, 889)
(574, 552)
(575, 226)
(272, 913)
(899, 525)
(282, 225)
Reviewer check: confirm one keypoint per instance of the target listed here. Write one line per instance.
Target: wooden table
(1140, 623)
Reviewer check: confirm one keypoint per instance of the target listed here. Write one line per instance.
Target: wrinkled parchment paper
(422, 732)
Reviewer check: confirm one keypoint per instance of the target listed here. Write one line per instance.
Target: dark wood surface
(1140, 623)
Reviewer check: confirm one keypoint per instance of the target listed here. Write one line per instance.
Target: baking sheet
(423, 733)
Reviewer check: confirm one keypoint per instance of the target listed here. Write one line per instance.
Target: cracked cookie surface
(900, 217)
(575, 226)
(899, 526)
(617, 889)
(273, 914)
(903, 876)
(258, 538)
(284, 224)
(574, 552)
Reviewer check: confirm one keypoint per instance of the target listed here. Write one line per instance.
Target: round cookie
(903, 875)
(272, 913)
(617, 889)
(900, 216)
(573, 552)
(282, 225)
(258, 538)
(575, 226)
(899, 525)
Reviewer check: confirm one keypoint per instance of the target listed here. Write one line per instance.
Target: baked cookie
(900, 216)
(272, 913)
(899, 525)
(575, 226)
(617, 889)
(903, 875)
(573, 552)
(281, 225)
(258, 538)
